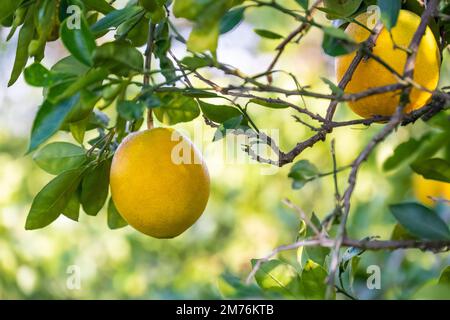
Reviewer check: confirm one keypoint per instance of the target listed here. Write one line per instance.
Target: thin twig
(303, 216)
(148, 66)
(337, 194)
(304, 26)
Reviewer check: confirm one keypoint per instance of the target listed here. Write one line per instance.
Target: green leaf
(195, 10)
(50, 202)
(93, 76)
(162, 46)
(433, 142)
(54, 93)
(162, 39)
(130, 110)
(337, 33)
(235, 123)
(349, 262)
(313, 281)
(267, 34)
(349, 254)
(65, 12)
(231, 286)
(219, 113)
(95, 187)
(119, 57)
(269, 104)
(197, 93)
(176, 108)
(390, 10)
(197, 62)
(278, 276)
(78, 129)
(420, 221)
(204, 38)
(432, 291)
(79, 41)
(25, 36)
(84, 107)
(317, 254)
(49, 120)
(401, 153)
(99, 119)
(352, 269)
(72, 210)
(70, 66)
(335, 90)
(57, 157)
(433, 169)
(167, 69)
(114, 19)
(207, 15)
(99, 5)
(339, 9)
(303, 3)
(336, 42)
(39, 76)
(416, 150)
(159, 14)
(444, 278)
(445, 26)
(441, 120)
(115, 220)
(231, 19)
(189, 9)
(135, 30)
(303, 172)
(43, 21)
(400, 233)
(8, 7)
(151, 5)
(151, 101)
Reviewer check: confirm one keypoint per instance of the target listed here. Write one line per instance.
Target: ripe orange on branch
(391, 48)
(159, 182)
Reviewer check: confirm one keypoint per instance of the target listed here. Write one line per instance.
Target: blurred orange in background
(428, 191)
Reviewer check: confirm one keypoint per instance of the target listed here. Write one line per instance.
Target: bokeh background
(245, 217)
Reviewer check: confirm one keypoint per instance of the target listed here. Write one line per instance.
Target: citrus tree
(388, 56)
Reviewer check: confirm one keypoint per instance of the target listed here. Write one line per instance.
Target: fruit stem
(148, 66)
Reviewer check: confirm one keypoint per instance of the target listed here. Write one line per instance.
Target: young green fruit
(341, 8)
(149, 5)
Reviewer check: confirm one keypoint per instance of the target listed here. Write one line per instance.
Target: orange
(424, 189)
(159, 182)
(370, 73)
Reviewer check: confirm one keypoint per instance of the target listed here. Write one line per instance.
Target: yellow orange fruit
(159, 182)
(424, 189)
(370, 73)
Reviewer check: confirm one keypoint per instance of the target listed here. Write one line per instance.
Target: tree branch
(370, 245)
(148, 66)
(389, 128)
(304, 27)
